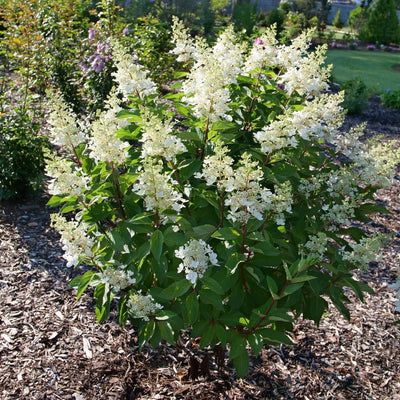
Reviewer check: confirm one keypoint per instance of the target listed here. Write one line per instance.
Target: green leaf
(238, 344)
(241, 363)
(117, 243)
(82, 282)
(273, 288)
(192, 308)
(213, 285)
(302, 278)
(103, 300)
(146, 333)
(226, 234)
(156, 244)
(167, 331)
(314, 308)
(187, 171)
(291, 288)
(209, 297)
(174, 239)
(176, 289)
(272, 336)
(203, 231)
(256, 342)
(208, 335)
(337, 297)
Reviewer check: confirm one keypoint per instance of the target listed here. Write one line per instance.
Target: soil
(51, 346)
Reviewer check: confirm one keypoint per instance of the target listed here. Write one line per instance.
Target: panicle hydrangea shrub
(228, 208)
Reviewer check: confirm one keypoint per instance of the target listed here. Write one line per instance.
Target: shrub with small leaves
(391, 98)
(357, 94)
(228, 208)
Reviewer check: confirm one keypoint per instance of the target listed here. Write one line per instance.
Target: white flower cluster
(65, 131)
(156, 188)
(290, 56)
(104, 145)
(68, 178)
(141, 306)
(339, 214)
(74, 237)
(315, 246)
(197, 256)
(307, 76)
(264, 52)
(364, 252)
(119, 278)
(185, 47)
(319, 119)
(281, 202)
(158, 138)
(130, 75)
(381, 160)
(213, 69)
(217, 167)
(247, 198)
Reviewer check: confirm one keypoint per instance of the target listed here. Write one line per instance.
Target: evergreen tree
(337, 20)
(382, 25)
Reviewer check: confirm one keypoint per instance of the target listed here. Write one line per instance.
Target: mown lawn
(374, 68)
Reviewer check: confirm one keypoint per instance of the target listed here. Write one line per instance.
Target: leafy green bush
(391, 98)
(356, 95)
(225, 208)
(21, 155)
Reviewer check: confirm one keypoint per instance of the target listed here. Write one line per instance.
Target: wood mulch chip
(51, 346)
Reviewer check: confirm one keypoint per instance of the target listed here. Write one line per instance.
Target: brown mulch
(51, 346)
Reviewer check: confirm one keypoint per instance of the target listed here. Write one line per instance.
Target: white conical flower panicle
(264, 52)
(217, 168)
(67, 177)
(74, 238)
(131, 77)
(65, 131)
(318, 119)
(247, 198)
(196, 256)
(185, 47)
(158, 139)
(155, 186)
(104, 144)
(213, 70)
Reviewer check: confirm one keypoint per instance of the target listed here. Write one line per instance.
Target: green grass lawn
(374, 68)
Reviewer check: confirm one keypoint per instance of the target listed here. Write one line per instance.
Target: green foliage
(382, 25)
(244, 15)
(391, 98)
(337, 20)
(275, 17)
(356, 95)
(21, 154)
(357, 18)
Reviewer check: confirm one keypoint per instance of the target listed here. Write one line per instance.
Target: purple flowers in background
(371, 47)
(125, 31)
(127, 3)
(98, 60)
(92, 34)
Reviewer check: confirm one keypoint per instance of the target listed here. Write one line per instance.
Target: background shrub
(391, 98)
(356, 95)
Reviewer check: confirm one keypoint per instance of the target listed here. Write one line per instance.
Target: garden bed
(51, 346)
